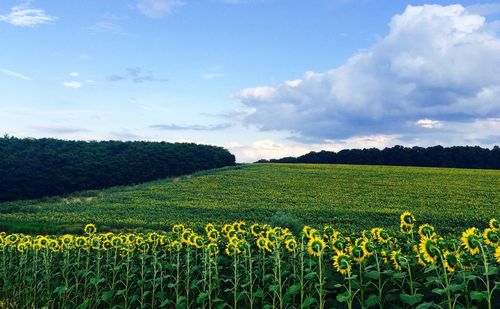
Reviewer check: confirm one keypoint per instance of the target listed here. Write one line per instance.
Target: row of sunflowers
(245, 266)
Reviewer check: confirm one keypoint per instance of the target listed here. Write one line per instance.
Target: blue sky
(264, 78)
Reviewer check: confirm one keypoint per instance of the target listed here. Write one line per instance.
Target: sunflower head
(368, 247)
(198, 242)
(255, 229)
(491, 237)
(407, 218)
(22, 246)
(212, 249)
(90, 229)
(426, 230)
(339, 244)
(470, 240)
(316, 246)
(328, 231)
(357, 253)
(494, 224)
(342, 263)
(117, 242)
(209, 227)
(261, 243)
(291, 244)
(107, 245)
(383, 236)
(429, 249)
(213, 235)
(176, 245)
(451, 260)
(232, 249)
(178, 228)
(398, 259)
(67, 239)
(497, 254)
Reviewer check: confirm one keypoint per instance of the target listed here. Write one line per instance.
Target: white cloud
(73, 85)
(14, 74)
(25, 16)
(158, 8)
(436, 62)
(74, 74)
(428, 123)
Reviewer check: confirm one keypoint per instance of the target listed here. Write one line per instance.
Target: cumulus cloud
(25, 16)
(439, 67)
(176, 127)
(158, 8)
(73, 85)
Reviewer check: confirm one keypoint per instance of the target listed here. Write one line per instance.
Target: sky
(263, 78)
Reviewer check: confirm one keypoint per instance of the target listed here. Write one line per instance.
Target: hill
(346, 196)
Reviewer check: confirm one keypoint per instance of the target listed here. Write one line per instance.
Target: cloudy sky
(264, 78)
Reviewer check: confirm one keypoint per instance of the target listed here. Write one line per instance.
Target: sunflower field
(253, 266)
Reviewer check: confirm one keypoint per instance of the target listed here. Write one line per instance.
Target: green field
(346, 196)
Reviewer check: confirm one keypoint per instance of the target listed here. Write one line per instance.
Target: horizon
(259, 78)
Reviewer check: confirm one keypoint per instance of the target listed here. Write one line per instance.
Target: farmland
(349, 197)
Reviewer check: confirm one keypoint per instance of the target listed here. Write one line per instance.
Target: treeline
(33, 168)
(436, 156)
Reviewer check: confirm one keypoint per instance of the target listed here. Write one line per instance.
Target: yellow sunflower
(316, 246)
(426, 230)
(255, 229)
(494, 224)
(470, 240)
(497, 255)
(213, 249)
(491, 237)
(342, 263)
(291, 244)
(397, 259)
(407, 219)
(429, 250)
(90, 229)
(451, 260)
(232, 249)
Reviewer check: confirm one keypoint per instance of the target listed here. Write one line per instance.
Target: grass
(346, 196)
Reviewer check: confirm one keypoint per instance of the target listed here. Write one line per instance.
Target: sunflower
(429, 249)
(406, 229)
(226, 228)
(407, 218)
(357, 253)
(22, 246)
(212, 249)
(494, 224)
(497, 255)
(143, 247)
(176, 245)
(117, 242)
(198, 242)
(262, 243)
(339, 245)
(451, 260)
(232, 249)
(342, 263)
(383, 236)
(54, 246)
(291, 244)
(271, 235)
(209, 227)
(42, 241)
(107, 245)
(306, 230)
(316, 246)
(90, 229)
(470, 240)
(375, 232)
(213, 235)
(178, 228)
(130, 238)
(328, 231)
(491, 237)
(186, 234)
(398, 259)
(368, 247)
(255, 229)
(67, 239)
(426, 230)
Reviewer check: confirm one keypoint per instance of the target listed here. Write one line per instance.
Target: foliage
(253, 266)
(32, 168)
(437, 156)
(347, 196)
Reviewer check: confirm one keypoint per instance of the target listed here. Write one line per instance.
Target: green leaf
(411, 299)
(425, 306)
(492, 270)
(108, 295)
(294, 289)
(439, 291)
(308, 302)
(201, 298)
(310, 276)
(476, 295)
(456, 287)
(259, 293)
(344, 297)
(373, 274)
(398, 275)
(372, 300)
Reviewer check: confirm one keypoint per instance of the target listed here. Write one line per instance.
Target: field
(349, 197)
